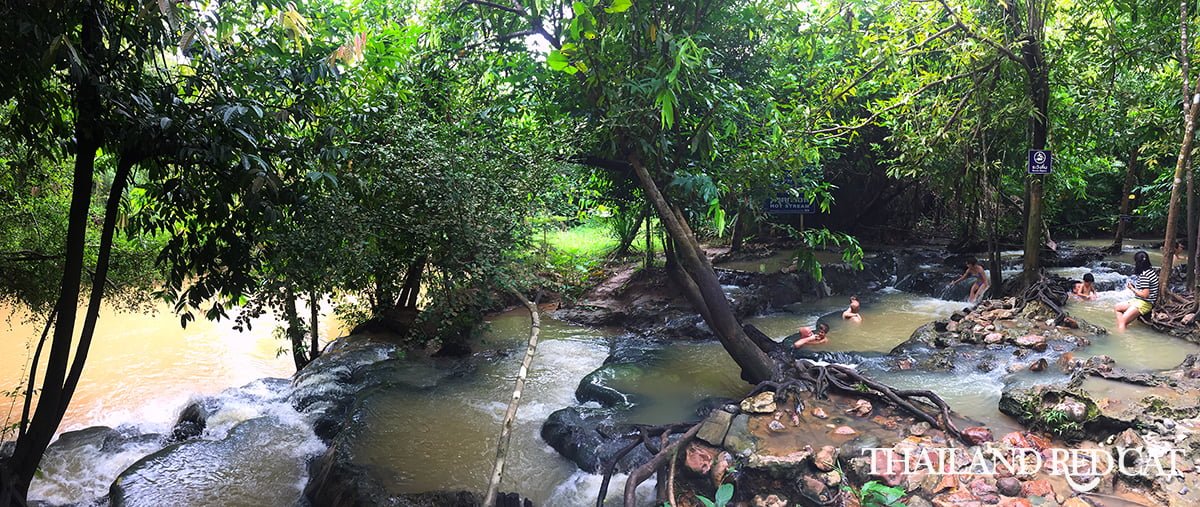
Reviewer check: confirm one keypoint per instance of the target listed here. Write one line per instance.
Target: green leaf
(724, 494)
(619, 6)
(557, 61)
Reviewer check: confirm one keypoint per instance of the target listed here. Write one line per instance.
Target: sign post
(1040, 162)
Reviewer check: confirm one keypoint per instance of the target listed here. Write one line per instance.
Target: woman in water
(1145, 292)
(974, 270)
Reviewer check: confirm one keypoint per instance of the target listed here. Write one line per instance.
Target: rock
(826, 459)
(960, 498)
(832, 478)
(919, 429)
(776, 426)
(915, 501)
(1039, 365)
(738, 439)
(861, 408)
(1075, 502)
(993, 338)
(191, 423)
(984, 491)
(1008, 486)
(844, 430)
(721, 467)
(761, 403)
(771, 500)
(714, 427)
(1014, 502)
(1031, 341)
(977, 435)
(590, 438)
(819, 413)
(1075, 410)
(1037, 487)
(699, 458)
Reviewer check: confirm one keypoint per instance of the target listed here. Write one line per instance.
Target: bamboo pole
(511, 415)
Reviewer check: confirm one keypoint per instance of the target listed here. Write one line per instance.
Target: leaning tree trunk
(1126, 202)
(511, 414)
(295, 332)
(755, 364)
(1185, 149)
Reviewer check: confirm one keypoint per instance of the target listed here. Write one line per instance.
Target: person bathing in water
(808, 336)
(1145, 291)
(1086, 289)
(851, 314)
(974, 270)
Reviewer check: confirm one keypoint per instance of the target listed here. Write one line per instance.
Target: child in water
(1086, 289)
(974, 270)
(807, 335)
(851, 313)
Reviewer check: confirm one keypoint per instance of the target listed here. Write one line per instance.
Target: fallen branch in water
(511, 414)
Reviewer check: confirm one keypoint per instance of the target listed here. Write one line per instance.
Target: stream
(144, 370)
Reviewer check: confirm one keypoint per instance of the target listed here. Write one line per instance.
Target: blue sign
(1040, 162)
(785, 204)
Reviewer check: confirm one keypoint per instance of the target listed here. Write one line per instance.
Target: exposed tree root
(818, 378)
(1174, 312)
(645, 436)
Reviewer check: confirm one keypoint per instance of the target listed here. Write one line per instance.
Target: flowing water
(445, 438)
(143, 370)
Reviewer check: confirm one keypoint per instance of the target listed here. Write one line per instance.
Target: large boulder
(591, 438)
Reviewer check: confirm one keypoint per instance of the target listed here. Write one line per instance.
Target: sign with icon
(1040, 162)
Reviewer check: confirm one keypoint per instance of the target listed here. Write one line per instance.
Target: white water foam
(582, 488)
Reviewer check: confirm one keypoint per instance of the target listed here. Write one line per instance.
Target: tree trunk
(314, 310)
(51, 402)
(111, 210)
(510, 415)
(295, 332)
(1191, 228)
(1126, 202)
(630, 233)
(755, 364)
(739, 226)
(412, 283)
(33, 366)
(1039, 90)
(649, 241)
(1185, 151)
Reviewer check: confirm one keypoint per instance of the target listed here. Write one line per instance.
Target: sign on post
(785, 203)
(1040, 162)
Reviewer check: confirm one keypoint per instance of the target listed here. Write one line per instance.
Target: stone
(1075, 409)
(1031, 341)
(1014, 502)
(844, 430)
(1008, 486)
(993, 338)
(761, 403)
(977, 435)
(831, 478)
(776, 426)
(819, 413)
(1037, 487)
(771, 500)
(714, 427)
(738, 439)
(699, 458)
(861, 408)
(1039, 365)
(915, 501)
(721, 467)
(826, 458)
(984, 491)
(1075, 502)
(960, 498)
(919, 429)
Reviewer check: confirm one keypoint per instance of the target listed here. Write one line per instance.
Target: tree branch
(971, 33)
